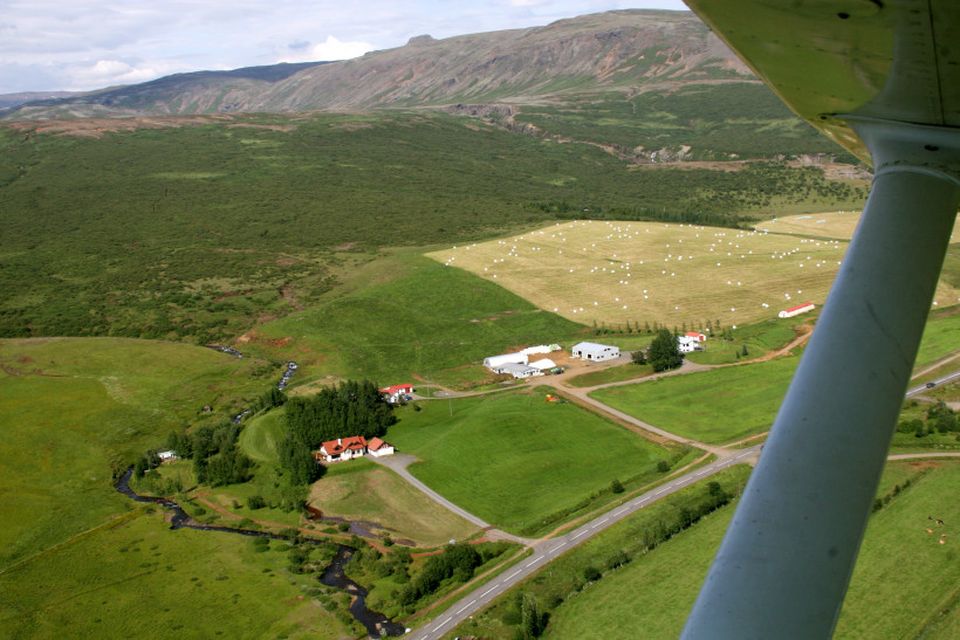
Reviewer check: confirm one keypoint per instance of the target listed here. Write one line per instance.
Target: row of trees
(350, 409)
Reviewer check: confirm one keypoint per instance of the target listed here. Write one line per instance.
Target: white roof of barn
(506, 358)
(543, 364)
(592, 347)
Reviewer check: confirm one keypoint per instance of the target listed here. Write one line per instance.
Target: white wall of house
(594, 352)
(385, 450)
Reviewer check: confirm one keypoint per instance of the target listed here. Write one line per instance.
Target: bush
(663, 466)
(616, 486)
(618, 559)
(592, 574)
(256, 502)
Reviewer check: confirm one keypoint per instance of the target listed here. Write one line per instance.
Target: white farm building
(688, 344)
(518, 371)
(594, 352)
(797, 310)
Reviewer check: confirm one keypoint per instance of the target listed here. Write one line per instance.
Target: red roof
(800, 306)
(695, 334)
(336, 447)
(398, 388)
(375, 444)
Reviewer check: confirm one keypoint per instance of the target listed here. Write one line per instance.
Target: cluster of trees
(939, 419)
(217, 459)
(350, 409)
(648, 329)
(458, 562)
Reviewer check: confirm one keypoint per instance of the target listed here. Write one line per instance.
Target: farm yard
(620, 273)
(532, 464)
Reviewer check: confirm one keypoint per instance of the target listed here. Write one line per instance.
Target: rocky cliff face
(625, 51)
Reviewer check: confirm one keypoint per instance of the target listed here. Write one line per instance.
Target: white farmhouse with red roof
(341, 449)
(797, 310)
(353, 447)
(699, 337)
(396, 392)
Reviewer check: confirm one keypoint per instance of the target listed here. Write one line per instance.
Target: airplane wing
(882, 79)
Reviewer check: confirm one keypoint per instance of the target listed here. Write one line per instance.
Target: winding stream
(376, 624)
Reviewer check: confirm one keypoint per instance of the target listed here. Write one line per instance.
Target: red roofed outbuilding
(797, 310)
(696, 334)
(377, 447)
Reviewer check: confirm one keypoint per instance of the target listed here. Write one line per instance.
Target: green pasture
(662, 583)
(362, 490)
(134, 577)
(618, 373)
(522, 463)
(655, 591)
(941, 337)
(72, 410)
(711, 406)
(418, 321)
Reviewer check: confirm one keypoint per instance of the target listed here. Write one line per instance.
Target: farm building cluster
(343, 449)
(519, 364)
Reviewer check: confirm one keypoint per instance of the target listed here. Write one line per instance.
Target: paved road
(936, 383)
(399, 463)
(547, 550)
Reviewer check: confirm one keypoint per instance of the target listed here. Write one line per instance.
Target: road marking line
(619, 511)
(513, 575)
(493, 588)
(701, 473)
(659, 492)
(582, 533)
(465, 607)
(533, 562)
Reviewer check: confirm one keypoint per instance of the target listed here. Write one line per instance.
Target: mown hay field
(615, 273)
(838, 225)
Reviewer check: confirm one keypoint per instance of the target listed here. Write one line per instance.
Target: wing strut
(787, 557)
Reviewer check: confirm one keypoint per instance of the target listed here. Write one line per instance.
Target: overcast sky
(87, 44)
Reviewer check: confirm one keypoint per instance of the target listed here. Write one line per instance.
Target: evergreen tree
(664, 352)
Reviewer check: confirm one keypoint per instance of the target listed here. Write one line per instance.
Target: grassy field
(838, 225)
(759, 338)
(519, 462)
(619, 373)
(133, 577)
(713, 406)
(638, 273)
(415, 319)
(655, 591)
(642, 272)
(941, 337)
(361, 490)
(73, 409)
(671, 576)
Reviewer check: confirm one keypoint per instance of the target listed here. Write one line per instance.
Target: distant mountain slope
(627, 51)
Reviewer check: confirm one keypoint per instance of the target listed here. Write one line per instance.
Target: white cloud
(330, 49)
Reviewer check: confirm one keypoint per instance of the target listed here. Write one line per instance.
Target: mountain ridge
(624, 51)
